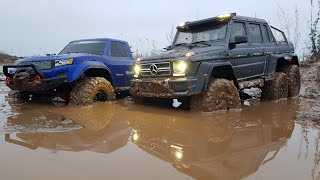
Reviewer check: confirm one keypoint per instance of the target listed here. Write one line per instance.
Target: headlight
(137, 70)
(178, 152)
(16, 62)
(180, 68)
(63, 62)
(135, 136)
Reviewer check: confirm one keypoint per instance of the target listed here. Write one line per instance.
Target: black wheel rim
(100, 97)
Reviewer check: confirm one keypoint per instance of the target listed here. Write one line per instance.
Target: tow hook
(37, 78)
(8, 81)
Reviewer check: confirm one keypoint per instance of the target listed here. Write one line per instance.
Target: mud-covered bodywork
(93, 57)
(213, 48)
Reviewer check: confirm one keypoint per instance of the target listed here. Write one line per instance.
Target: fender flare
(206, 71)
(278, 61)
(84, 66)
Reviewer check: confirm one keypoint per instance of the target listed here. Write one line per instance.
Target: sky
(38, 27)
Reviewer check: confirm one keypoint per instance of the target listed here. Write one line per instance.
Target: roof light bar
(226, 16)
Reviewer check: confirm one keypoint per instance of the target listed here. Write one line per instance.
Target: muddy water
(275, 140)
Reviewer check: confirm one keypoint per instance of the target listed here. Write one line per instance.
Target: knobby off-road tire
(276, 89)
(222, 94)
(294, 80)
(91, 90)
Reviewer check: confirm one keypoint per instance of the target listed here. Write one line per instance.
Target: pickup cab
(84, 72)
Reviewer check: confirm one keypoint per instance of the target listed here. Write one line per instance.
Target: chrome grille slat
(164, 69)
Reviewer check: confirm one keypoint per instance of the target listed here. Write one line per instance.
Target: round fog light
(179, 155)
(135, 136)
(182, 67)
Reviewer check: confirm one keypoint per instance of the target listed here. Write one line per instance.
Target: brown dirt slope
(310, 76)
(7, 59)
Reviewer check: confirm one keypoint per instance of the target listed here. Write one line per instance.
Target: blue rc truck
(84, 72)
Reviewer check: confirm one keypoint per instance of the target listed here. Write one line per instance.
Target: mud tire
(294, 80)
(19, 95)
(276, 88)
(84, 92)
(222, 94)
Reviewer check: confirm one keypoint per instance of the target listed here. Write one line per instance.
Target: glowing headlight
(135, 136)
(178, 154)
(137, 70)
(63, 62)
(180, 68)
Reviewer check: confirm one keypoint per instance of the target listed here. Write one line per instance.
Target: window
(265, 32)
(278, 35)
(118, 49)
(255, 32)
(238, 29)
(88, 47)
(215, 32)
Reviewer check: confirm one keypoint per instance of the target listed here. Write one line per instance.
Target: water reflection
(221, 145)
(216, 146)
(100, 131)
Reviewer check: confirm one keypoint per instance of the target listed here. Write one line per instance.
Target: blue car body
(119, 69)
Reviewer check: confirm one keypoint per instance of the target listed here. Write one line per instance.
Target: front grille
(42, 65)
(156, 69)
(155, 145)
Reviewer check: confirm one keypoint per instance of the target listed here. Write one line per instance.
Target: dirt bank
(7, 59)
(310, 77)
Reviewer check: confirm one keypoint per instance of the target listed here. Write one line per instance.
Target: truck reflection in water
(102, 133)
(228, 145)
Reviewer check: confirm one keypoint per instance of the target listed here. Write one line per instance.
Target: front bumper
(29, 78)
(163, 87)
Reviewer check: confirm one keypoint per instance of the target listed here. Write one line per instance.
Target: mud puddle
(122, 140)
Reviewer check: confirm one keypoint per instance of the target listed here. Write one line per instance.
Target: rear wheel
(222, 94)
(92, 90)
(276, 88)
(294, 80)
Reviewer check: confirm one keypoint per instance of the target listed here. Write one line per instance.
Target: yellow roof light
(225, 16)
(189, 54)
(182, 24)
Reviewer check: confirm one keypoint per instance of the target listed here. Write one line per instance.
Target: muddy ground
(122, 140)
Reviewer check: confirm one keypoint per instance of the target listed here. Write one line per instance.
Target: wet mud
(123, 140)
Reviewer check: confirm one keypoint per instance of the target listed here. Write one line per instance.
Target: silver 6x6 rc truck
(212, 60)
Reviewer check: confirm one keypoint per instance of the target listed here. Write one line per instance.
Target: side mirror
(167, 48)
(239, 40)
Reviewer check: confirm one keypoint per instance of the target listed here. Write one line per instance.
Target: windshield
(88, 47)
(217, 32)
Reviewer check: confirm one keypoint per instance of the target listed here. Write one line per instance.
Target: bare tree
(289, 21)
(170, 36)
(285, 21)
(314, 35)
(297, 34)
